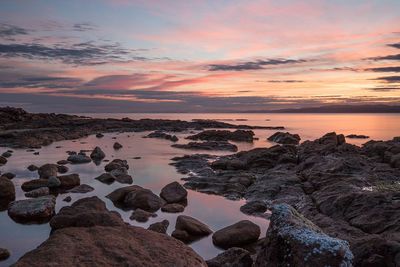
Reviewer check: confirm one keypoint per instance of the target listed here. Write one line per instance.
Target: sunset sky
(197, 56)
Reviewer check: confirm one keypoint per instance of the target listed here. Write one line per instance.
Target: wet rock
(124, 179)
(69, 181)
(173, 193)
(48, 170)
(35, 210)
(79, 159)
(4, 254)
(292, 240)
(34, 184)
(256, 207)
(106, 178)
(62, 169)
(173, 208)
(43, 191)
(357, 136)
(224, 135)
(97, 154)
(7, 192)
(208, 145)
(9, 175)
(3, 160)
(285, 138)
(233, 257)
(53, 182)
(162, 135)
(86, 212)
(116, 164)
(32, 168)
(99, 135)
(63, 162)
(6, 154)
(82, 189)
(140, 215)
(395, 161)
(188, 229)
(159, 227)
(117, 146)
(236, 235)
(67, 199)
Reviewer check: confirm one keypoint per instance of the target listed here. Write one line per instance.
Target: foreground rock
(285, 138)
(188, 229)
(173, 193)
(162, 135)
(237, 235)
(292, 240)
(7, 192)
(224, 135)
(233, 257)
(4, 254)
(208, 145)
(35, 210)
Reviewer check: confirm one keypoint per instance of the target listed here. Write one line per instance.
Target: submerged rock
(159, 227)
(293, 240)
(285, 138)
(233, 257)
(189, 229)
(173, 208)
(173, 193)
(106, 178)
(32, 168)
(62, 169)
(236, 235)
(35, 210)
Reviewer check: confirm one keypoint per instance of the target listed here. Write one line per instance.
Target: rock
(69, 181)
(48, 170)
(159, 227)
(188, 229)
(173, 193)
(106, 178)
(233, 257)
(67, 199)
(99, 135)
(173, 208)
(142, 199)
(395, 161)
(83, 188)
(255, 208)
(32, 168)
(224, 135)
(6, 154)
(293, 240)
(162, 135)
(62, 169)
(86, 212)
(34, 184)
(285, 138)
(35, 210)
(117, 146)
(79, 159)
(9, 175)
(43, 191)
(53, 182)
(97, 154)
(116, 164)
(118, 195)
(208, 145)
(141, 215)
(4, 254)
(63, 162)
(7, 192)
(357, 136)
(3, 160)
(124, 179)
(236, 235)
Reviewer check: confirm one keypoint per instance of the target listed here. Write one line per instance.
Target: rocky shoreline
(329, 203)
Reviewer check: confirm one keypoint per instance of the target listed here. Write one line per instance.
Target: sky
(197, 56)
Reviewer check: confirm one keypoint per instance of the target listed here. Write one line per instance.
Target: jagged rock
(48, 170)
(292, 240)
(233, 257)
(236, 235)
(97, 154)
(173, 193)
(159, 227)
(43, 191)
(188, 229)
(285, 138)
(34, 210)
(140, 215)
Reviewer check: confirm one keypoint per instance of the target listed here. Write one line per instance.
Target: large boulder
(7, 192)
(97, 154)
(285, 138)
(236, 235)
(173, 193)
(188, 229)
(233, 257)
(35, 210)
(48, 170)
(293, 240)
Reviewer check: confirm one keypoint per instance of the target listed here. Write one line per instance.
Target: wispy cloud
(253, 65)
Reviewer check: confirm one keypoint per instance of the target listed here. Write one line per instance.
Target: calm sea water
(153, 170)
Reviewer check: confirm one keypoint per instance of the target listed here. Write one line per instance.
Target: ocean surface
(153, 171)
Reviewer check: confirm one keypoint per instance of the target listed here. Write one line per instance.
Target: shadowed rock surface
(35, 210)
(208, 145)
(7, 192)
(159, 227)
(233, 257)
(237, 235)
(162, 135)
(224, 135)
(188, 229)
(173, 193)
(285, 138)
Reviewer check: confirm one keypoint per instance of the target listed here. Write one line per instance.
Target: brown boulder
(48, 170)
(236, 235)
(7, 192)
(188, 229)
(35, 210)
(173, 193)
(159, 227)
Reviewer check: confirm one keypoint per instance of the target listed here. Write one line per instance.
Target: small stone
(106, 178)
(3, 160)
(32, 168)
(117, 146)
(83, 188)
(97, 154)
(159, 227)
(62, 169)
(54, 182)
(173, 208)
(67, 199)
(62, 162)
(9, 175)
(4, 254)
(140, 215)
(6, 154)
(48, 170)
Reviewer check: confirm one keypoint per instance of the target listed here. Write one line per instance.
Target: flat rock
(79, 159)
(173, 208)
(173, 193)
(236, 235)
(83, 188)
(162, 135)
(106, 178)
(63, 162)
(43, 191)
(224, 135)
(357, 136)
(35, 210)
(188, 229)
(233, 257)
(159, 227)
(208, 145)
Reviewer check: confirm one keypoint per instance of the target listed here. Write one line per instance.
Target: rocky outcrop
(292, 240)
(87, 234)
(162, 135)
(224, 135)
(233, 257)
(285, 138)
(237, 235)
(35, 210)
(208, 145)
(188, 229)
(357, 136)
